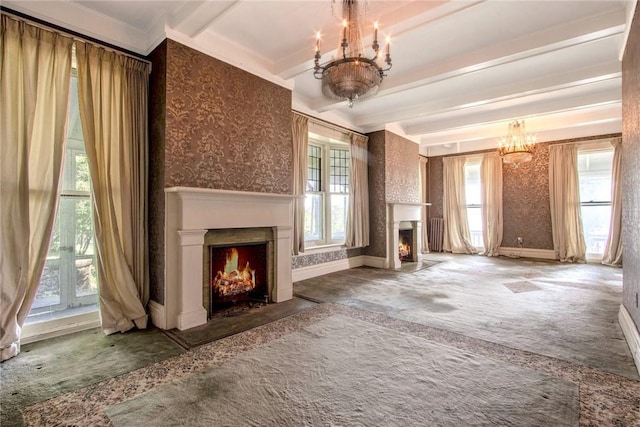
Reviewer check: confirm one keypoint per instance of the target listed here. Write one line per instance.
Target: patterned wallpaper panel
(226, 129)
(525, 200)
(320, 258)
(211, 126)
(434, 166)
(631, 169)
(157, 121)
(402, 169)
(377, 200)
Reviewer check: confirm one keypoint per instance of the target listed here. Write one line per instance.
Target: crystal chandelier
(351, 75)
(516, 147)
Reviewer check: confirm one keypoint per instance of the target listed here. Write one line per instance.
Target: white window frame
(474, 160)
(586, 148)
(326, 139)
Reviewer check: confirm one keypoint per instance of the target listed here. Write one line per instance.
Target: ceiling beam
(196, 16)
(545, 41)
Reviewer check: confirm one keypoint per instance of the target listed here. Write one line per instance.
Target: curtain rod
(71, 34)
(326, 123)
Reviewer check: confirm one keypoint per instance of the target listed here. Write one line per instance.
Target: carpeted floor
(50, 368)
(344, 371)
(567, 311)
(472, 367)
(434, 320)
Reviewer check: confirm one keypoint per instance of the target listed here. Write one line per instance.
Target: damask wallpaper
(212, 126)
(225, 128)
(402, 169)
(377, 196)
(631, 170)
(157, 120)
(320, 258)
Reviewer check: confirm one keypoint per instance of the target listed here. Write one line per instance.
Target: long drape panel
(613, 247)
(300, 133)
(35, 74)
(491, 203)
(357, 228)
(113, 92)
(564, 195)
(457, 238)
(424, 190)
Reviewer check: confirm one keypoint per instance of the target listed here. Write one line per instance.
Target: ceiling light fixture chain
(352, 75)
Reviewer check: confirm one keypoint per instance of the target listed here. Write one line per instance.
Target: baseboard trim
(311, 271)
(158, 314)
(631, 334)
(374, 261)
(55, 328)
(527, 253)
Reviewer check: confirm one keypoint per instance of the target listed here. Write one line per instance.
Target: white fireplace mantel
(398, 212)
(189, 213)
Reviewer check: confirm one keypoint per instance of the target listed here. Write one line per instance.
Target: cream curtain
(35, 74)
(564, 194)
(113, 94)
(424, 182)
(300, 133)
(357, 231)
(457, 238)
(491, 207)
(613, 247)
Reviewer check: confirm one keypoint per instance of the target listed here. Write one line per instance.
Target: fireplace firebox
(237, 273)
(405, 245)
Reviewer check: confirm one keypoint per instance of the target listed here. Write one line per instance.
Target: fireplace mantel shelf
(211, 192)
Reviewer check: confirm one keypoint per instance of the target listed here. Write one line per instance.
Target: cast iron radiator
(436, 228)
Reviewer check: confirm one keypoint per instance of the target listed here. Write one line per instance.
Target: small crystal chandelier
(516, 147)
(351, 75)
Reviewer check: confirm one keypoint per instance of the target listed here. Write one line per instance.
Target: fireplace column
(190, 309)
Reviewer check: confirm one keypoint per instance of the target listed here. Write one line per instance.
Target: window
(474, 201)
(594, 173)
(69, 278)
(327, 192)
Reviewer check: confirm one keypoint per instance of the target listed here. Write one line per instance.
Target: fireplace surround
(190, 213)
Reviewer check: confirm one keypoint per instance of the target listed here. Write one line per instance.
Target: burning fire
(234, 281)
(404, 250)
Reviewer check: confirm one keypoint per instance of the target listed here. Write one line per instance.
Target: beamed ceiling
(461, 69)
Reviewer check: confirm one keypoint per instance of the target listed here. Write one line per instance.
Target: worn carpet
(566, 311)
(343, 371)
(49, 368)
(340, 346)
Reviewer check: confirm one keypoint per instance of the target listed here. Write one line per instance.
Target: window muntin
(327, 190)
(594, 175)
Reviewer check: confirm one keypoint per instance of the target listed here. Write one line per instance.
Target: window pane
(82, 172)
(594, 169)
(313, 218)
(595, 223)
(339, 170)
(314, 169)
(472, 183)
(474, 216)
(339, 206)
